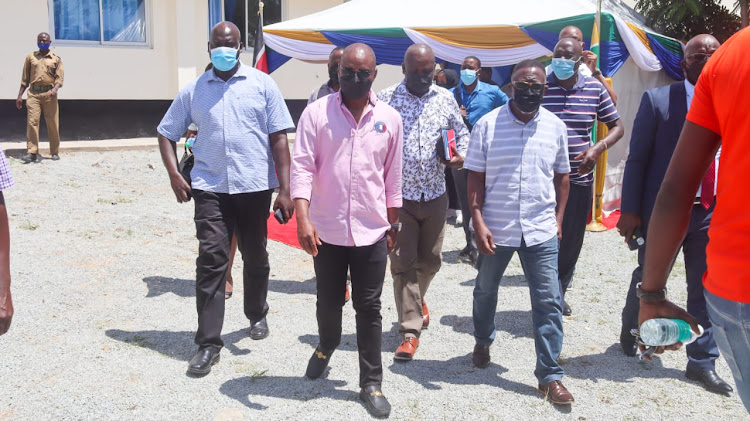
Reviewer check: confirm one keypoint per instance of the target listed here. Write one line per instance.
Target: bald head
(43, 38)
(419, 68)
(571, 32)
(568, 48)
(697, 52)
(225, 34)
(358, 56)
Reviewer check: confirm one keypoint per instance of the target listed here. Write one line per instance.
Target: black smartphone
(279, 215)
(636, 240)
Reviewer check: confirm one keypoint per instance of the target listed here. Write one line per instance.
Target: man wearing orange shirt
(717, 117)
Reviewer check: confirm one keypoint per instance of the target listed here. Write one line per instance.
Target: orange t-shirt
(722, 104)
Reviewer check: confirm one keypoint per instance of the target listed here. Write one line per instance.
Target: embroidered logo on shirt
(380, 127)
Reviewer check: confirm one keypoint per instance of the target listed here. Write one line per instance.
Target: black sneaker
(31, 157)
(318, 363)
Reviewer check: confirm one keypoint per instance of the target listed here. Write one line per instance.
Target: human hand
(463, 111)
(483, 237)
(308, 236)
(52, 92)
(457, 161)
(180, 187)
(627, 224)
(559, 231)
(284, 202)
(6, 312)
(589, 58)
(392, 238)
(667, 310)
(588, 158)
(19, 102)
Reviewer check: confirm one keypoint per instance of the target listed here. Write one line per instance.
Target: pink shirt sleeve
(303, 155)
(393, 164)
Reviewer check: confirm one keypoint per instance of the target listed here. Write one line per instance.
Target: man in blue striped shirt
(579, 101)
(518, 185)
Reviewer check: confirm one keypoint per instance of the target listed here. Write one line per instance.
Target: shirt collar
(340, 99)
(516, 119)
(689, 88)
(242, 72)
(580, 83)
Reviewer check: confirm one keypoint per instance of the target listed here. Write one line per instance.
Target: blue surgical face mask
(563, 68)
(224, 58)
(43, 46)
(468, 76)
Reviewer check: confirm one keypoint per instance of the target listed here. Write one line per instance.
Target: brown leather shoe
(405, 351)
(346, 294)
(481, 356)
(425, 315)
(556, 393)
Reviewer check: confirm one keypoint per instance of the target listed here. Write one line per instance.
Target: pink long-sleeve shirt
(350, 173)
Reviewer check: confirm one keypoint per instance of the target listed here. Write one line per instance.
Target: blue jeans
(539, 264)
(731, 322)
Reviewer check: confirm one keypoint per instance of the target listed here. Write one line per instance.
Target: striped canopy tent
(500, 34)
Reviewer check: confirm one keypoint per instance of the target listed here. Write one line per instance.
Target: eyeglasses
(526, 86)
(349, 73)
(699, 57)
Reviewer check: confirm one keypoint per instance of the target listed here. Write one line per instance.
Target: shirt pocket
(545, 154)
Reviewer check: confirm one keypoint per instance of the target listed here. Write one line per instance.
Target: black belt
(41, 88)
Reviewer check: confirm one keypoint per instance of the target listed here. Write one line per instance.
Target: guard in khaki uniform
(43, 76)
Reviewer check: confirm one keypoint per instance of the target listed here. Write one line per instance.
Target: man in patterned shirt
(426, 110)
(579, 101)
(241, 154)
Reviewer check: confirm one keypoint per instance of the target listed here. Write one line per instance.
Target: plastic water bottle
(664, 332)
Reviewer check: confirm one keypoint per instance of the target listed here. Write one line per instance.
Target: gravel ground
(103, 268)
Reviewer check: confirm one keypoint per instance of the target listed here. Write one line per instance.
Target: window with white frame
(244, 14)
(114, 22)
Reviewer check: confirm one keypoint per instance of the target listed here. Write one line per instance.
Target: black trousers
(367, 268)
(460, 178)
(217, 216)
(450, 189)
(577, 213)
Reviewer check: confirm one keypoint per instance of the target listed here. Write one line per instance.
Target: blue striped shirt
(232, 149)
(519, 161)
(579, 108)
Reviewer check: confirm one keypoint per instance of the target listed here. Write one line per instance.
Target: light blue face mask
(563, 68)
(468, 76)
(224, 58)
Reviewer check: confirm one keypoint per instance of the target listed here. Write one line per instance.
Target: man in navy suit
(656, 130)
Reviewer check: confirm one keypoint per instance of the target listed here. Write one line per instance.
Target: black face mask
(528, 102)
(333, 74)
(418, 84)
(355, 87)
(693, 72)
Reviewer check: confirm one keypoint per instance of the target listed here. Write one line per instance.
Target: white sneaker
(459, 217)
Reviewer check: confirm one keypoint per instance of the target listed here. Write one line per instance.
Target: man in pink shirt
(346, 185)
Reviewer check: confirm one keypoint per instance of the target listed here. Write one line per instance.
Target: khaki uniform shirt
(42, 69)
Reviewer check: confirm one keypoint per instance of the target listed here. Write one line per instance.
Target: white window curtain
(80, 20)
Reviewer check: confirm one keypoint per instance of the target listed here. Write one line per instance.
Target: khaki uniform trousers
(36, 104)
(416, 259)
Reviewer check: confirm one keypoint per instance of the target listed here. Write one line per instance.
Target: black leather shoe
(375, 401)
(318, 363)
(567, 311)
(711, 381)
(31, 157)
(202, 361)
(259, 330)
(55, 157)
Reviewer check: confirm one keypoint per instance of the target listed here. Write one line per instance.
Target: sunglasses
(699, 57)
(529, 86)
(349, 73)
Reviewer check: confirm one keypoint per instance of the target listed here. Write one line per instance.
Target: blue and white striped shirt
(519, 161)
(232, 149)
(579, 108)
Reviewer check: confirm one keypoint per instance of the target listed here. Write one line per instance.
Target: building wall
(177, 54)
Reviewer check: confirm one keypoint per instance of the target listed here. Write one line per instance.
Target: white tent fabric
(644, 58)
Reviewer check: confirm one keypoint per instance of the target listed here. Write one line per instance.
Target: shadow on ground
(159, 285)
(391, 340)
(293, 287)
(614, 365)
(300, 389)
(517, 323)
(177, 345)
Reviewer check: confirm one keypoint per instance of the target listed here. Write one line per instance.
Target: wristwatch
(596, 73)
(395, 227)
(649, 296)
